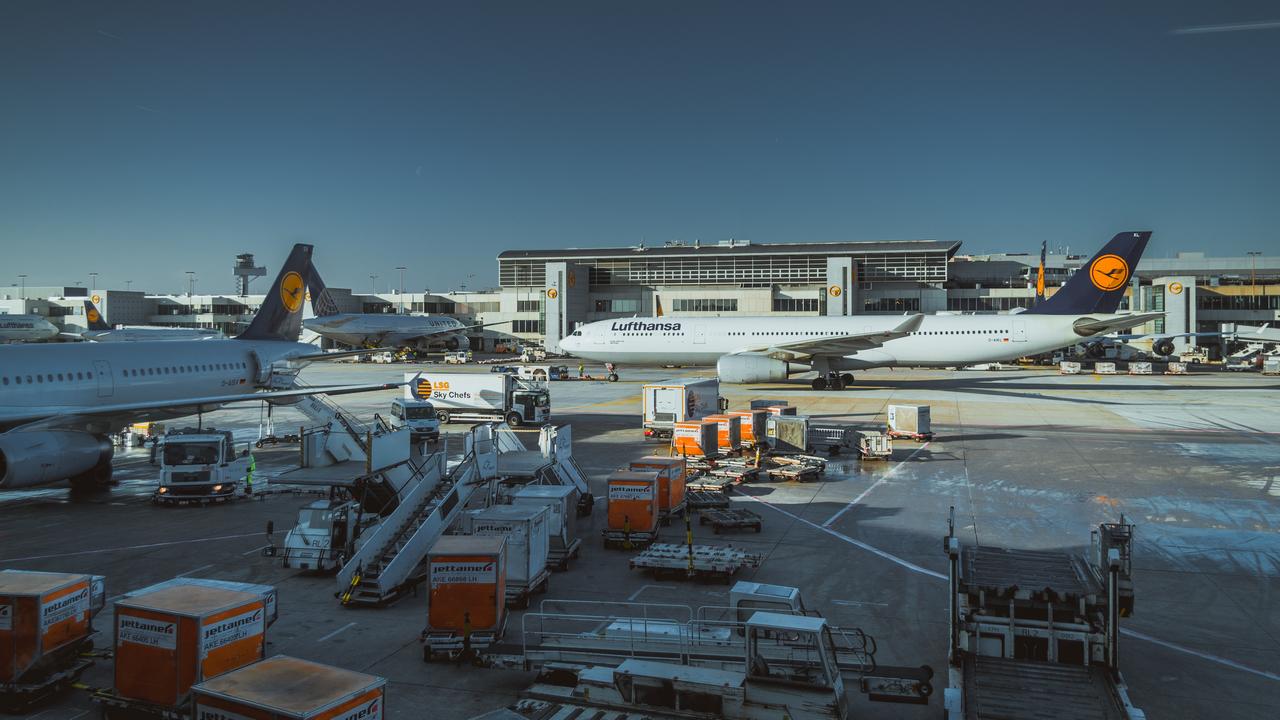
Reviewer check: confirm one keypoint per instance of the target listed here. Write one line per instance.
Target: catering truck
(481, 397)
(668, 403)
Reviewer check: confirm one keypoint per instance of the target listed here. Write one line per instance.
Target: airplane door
(106, 386)
(699, 334)
(1019, 329)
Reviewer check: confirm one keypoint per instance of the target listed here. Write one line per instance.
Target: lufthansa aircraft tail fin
(93, 317)
(1098, 286)
(322, 303)
(280, 317)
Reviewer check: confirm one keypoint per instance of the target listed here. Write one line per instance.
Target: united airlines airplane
(58, 402)
(766, 349)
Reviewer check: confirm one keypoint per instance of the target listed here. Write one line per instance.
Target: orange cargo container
(177, 636)
(728, 432)
(283, 688)
(44, 618)
(468, 574)
(633, 502)
(671, 475)
(752, 425)
(696, 438)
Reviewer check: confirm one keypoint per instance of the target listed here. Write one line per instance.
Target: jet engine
(755, 368)
(452, 343)
(38, 458)
(1163, 346)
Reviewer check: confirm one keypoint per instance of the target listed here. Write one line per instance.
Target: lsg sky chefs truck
(481, 397)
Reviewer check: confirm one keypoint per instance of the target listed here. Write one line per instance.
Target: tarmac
(1028, 458)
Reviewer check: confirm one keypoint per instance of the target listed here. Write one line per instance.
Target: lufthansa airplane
(100, 331)
(58, 402)
(766, 349)
(370, 330)
(26, 328)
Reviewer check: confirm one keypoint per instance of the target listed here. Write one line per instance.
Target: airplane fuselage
(26, 328)
(144, 334)
(386, 330)
(941, 340)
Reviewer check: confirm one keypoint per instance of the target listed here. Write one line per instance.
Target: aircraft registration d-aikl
(766, 349)
(368, 330)
(58, 402)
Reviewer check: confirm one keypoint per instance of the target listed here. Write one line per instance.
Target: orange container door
(65, 616)
(368, 706)
(215, 708)
(461, 585)
(149, 655)
(232, 639)
(19, 635)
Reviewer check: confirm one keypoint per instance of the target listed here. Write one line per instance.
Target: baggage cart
(1176, 368)
(722, 519)
(287, 688)
(707, 499)
(46, 622)
(752, 425)
(832, 437)
(1069, 367)
(467, 602)
(874, 445)
(911, 422)
(728, 433)
(665, 404)
(633, 515)
(1104, 368)
(667, 560)
(1140, 368)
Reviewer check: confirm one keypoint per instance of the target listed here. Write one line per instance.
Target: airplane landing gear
(832, 381)
(612, 370)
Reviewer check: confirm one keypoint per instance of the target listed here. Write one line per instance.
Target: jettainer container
(695, 439)
(468, 576)
(752, 425)
(268, 592)
(671, 479)
(45, 620)
(633, 507)
(286, 688)
(728, 432)
(561, 502)
(175, 637)
(526, 530)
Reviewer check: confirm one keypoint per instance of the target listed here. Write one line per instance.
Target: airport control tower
(246, 271)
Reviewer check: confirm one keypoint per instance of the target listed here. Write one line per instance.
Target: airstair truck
(481, 397)
(199, 465)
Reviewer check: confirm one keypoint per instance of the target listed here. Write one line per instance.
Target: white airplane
(369, 330)
(26, 328)
(100, 331)
(766, 349)
(58, 402)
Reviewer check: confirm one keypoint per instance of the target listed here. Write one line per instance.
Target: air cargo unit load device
(46, 623)
(286, 688)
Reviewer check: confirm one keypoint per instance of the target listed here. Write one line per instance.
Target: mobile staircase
(392, 559)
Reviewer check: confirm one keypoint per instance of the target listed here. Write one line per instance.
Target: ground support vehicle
(1035, 633)
(199, 465)
(874, 445)
(694, 561)
(481, 397)
(327, 534)
(46, 627)
(730, 519)
(417, 415)
(665, 404)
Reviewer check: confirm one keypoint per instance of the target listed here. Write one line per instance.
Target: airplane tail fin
(280, 317)
(93, 317)
(322, 303)
(1098, 286)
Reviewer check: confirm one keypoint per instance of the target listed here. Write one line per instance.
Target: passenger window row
(41, 378)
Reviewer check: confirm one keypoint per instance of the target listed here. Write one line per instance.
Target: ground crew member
(248, 477)
(580, 369)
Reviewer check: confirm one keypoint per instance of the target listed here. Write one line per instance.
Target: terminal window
(526, 326)
(619, 305)
(705, 305)
(796, 305)
(528, 305)
(891, 304)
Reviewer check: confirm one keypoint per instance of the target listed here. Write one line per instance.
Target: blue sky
(141, 140)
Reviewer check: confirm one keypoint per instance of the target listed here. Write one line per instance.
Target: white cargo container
(1069, 367)
(1104, 368)
(1271, 366)
(561, 502)
(910, 421)
(1139, 368)
(679, 401)
(528, 541)
(481, 397)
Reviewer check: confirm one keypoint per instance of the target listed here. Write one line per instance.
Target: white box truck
(671, 402)
(481, 397)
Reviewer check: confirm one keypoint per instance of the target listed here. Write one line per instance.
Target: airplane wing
(1160, 336)
(1087, 326)
(447, 331)
(834, 344)
(43, 420)
(338, 354)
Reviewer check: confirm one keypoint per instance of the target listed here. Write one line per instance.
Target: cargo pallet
(559, 559)
(518, 595)
(18, 697)
(704, 499)
(723, 519)
(708, 562)
(799, 468)
(118, 706)
(707, 483)
(449, 644)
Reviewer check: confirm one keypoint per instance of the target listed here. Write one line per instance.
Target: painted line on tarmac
(131, 547)
(348, 626)
(1206, 656)
(925, 571)
(255, 550)
(202, 567)
(874, 485)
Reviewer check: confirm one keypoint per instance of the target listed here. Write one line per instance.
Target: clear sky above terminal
(140, 140)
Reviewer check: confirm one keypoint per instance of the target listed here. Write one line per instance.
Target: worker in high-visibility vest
(248, 477)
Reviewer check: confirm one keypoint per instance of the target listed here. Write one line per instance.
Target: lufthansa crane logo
(552, 293)
(291, 291)
(1175, 288)
(93, 315)
(1109, 272)
(834, 291)
(96, 299)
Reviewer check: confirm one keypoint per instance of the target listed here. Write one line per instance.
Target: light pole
(23, 279)
(128, 284)
(191, 282)
(1253, 278)
(373, 284)
(401, 268)
(93, 278)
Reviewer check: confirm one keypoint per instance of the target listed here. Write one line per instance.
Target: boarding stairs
(392, 559)
(344, 437)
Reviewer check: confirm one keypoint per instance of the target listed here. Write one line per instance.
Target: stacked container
(695, 439)
(172, 638)
(288, 688)
(752, 422)
(525, 528)
(44, 620)
(561, 502)
(671, 480)
(633, 507)
(468, 576)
